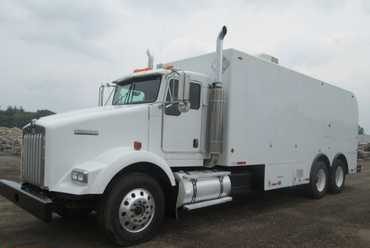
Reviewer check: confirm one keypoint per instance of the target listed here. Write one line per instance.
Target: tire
(337, 177)
(133, 210)
(319, 178)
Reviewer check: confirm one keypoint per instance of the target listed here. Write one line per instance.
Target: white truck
(186, 135)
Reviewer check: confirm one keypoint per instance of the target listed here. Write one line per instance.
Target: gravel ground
(283, 218)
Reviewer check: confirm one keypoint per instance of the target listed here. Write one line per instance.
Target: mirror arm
(110, 94)
(101, 95)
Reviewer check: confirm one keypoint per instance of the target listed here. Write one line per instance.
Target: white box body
(280, 118)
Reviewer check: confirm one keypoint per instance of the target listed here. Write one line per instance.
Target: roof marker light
(168, 66)
(142, 69)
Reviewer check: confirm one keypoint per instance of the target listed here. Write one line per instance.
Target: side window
(194, 95)
(171, 107)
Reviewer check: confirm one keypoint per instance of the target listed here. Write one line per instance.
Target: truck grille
(33, 155)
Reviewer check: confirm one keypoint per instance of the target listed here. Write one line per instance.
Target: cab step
(207, 203)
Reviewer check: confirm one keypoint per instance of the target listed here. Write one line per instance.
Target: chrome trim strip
(85, 132)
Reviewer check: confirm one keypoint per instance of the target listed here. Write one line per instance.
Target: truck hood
(75, 116)
(75, 137)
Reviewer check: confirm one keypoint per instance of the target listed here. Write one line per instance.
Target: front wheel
(318, 180)
(133, 210)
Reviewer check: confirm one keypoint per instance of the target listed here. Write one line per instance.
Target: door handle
(195, 143)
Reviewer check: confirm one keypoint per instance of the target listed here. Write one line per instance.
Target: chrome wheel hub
(136, 210)
(339, 176)
(321, 180)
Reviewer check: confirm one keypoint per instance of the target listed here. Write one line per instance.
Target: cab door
(181, 132)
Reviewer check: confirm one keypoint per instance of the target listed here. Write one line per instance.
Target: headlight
(80, 176)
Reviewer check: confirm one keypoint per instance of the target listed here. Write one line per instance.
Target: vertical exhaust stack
(219, 52)
(215, 107)
(150, 59)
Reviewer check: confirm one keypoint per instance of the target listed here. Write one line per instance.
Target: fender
(125, 157)
(104, 167)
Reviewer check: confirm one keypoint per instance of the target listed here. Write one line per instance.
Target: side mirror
(183, 93)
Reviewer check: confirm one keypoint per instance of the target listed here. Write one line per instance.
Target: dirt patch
(364, 234)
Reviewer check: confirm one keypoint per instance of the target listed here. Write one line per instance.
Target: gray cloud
(55, 54)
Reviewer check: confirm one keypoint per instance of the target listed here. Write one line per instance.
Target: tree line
(14, 116)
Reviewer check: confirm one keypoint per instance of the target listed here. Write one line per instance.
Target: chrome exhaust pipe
(150, 59)
(215, 118)
(219, 48)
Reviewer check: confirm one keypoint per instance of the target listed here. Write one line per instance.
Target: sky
(55, 54)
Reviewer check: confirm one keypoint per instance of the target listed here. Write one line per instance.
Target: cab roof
(142, 74)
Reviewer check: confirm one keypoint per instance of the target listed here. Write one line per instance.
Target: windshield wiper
(127, 96)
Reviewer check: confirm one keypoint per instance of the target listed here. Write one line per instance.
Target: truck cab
(147, 112)
(176, 103)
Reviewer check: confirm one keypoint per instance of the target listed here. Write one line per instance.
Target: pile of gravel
(10, 140)
(367, 147)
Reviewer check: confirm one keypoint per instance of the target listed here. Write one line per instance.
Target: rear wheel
(337, 177)
(318, 180)
(133, 210)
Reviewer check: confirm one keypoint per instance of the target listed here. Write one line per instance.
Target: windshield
(137, 90)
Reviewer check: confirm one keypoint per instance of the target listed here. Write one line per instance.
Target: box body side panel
(284, 119)
(280, 118)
